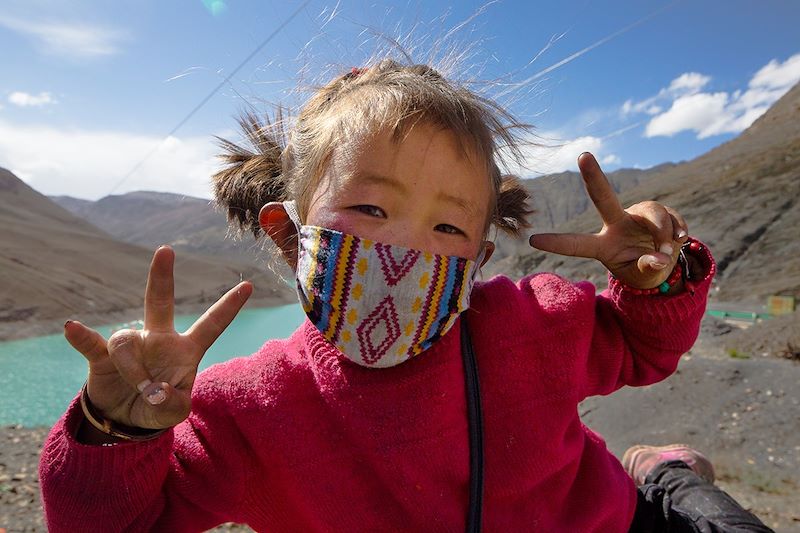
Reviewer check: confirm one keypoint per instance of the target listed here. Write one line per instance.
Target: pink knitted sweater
(297, 438)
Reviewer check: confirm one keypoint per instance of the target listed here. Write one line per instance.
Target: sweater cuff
(657, 307)
(124, 475)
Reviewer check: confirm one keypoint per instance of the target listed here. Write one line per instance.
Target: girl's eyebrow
(468, 208)
(377, 179)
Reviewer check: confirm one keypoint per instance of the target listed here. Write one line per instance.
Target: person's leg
(655, 514)
(687, 477)
(703, 501)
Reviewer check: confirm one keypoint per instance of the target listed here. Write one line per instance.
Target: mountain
(741, 198)
(57, 266)
(152, 218)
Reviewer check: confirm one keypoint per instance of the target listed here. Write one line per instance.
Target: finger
(87, 341)
(571, 244)
(600, 191)
(159, 297)
(650, 263)
(210, 326)
(124, 349)
(679, 223)
(659, 223)
(172, 405)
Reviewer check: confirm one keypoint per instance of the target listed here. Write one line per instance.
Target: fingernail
(666, 249)
(156, 396)
(657, 265)
(143, 385)
(682, 234)
(67, 323)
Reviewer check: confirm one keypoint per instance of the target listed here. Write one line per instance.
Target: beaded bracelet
(109, 427)
(664, 287)
(681, 271)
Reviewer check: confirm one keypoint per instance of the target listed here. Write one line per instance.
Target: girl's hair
(386, 95)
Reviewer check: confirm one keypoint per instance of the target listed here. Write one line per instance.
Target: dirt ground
(735, 396)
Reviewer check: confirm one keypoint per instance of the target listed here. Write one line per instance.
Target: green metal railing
(738, 315)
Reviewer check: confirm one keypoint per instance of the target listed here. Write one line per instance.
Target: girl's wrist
(686, 269)
(671, 285)
(88, 434)
(97, 429)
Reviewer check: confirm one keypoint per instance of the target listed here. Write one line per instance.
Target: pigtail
(253, 175)
(512, 206)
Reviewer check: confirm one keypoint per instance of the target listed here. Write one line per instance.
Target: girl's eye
(371, 210)
(447, 228)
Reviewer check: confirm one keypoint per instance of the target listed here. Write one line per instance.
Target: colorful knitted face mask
(379, 304)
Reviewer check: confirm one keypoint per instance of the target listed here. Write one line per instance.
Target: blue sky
(91, 89)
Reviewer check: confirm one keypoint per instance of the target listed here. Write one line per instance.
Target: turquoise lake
(40, 376)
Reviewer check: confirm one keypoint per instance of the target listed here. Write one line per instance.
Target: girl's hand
(144, 378)
(638, 245)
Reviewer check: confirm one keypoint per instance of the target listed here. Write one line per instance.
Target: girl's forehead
(425, 161)
(417, 144)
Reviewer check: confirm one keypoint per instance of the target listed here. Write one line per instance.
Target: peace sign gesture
(144, 378)
(638, 245)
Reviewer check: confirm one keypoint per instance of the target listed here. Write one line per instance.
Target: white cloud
(638, 107)
(775, 75)
(693, 112)
(66, 39)
(685, 84)
(707, 113)
(23, 99)
(689, 82)
(549, 153)
(88, 164)
(611, 159)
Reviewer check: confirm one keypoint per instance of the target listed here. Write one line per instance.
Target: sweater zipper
(475, 427)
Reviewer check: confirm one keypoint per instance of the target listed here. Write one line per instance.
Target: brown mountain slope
(56, 266)
(741, 198)
(152, 218)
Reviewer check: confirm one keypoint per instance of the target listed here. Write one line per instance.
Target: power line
(205, 100)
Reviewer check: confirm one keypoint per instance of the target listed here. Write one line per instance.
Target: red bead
(695, 246)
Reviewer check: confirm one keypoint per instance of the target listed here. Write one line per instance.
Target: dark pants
(676, 500)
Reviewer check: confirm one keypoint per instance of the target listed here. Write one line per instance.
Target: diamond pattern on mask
(395, 268)
(379, 331)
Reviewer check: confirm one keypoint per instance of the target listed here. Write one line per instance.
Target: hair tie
(356, 72)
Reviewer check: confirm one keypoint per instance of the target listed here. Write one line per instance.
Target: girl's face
(422, 192)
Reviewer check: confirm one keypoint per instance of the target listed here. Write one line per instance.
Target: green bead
(664, 287)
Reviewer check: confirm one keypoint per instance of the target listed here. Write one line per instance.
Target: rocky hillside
(153, 218)
(57, 266)
(741, 198)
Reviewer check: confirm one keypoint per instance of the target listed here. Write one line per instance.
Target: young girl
(381, 202)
